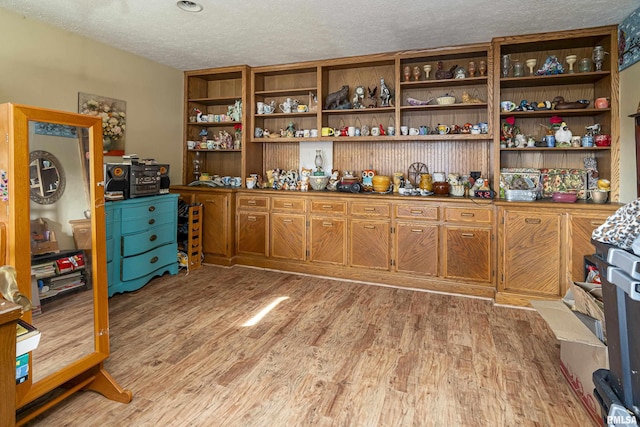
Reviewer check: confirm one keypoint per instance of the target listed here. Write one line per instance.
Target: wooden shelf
(554, 80)
(280, 115)
(284, 92)
(213, 151)
(361, 111)
(386, 138)
(564, 113)
(468, 81)
(213, 124)
(215, 101)
(480, 106)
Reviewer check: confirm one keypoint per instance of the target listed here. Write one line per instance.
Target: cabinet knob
(153, 238)
(327, 224)
(327, 206)
(251, 202)
(416, 211)
(369, 209)
(287, 205)
(152, 221)
(152, 208)
(371, 227)
(251, 218)
(154, 260)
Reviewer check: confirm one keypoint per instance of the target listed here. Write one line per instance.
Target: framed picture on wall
(114, 119)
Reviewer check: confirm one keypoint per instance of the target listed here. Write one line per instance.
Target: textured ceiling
(283, 31)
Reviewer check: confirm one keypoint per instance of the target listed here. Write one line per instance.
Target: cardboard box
(81, 229)
(581, 352)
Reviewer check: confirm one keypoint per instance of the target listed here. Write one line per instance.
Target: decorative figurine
(385, 94)
(483, 69)
(335, 99)
(367, 179)
(333, 180)
(467, 99)
(444, 74)
(559, 103)
(407, 73)
(551, 66)
(304, 179)
(416, 73)
(372, 96)
(472, 69)
(461, 73)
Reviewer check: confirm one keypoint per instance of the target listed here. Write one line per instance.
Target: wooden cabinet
(212, 92)
(369, 235)
(288, 230)
(218, 224)
(581, 225)
(252, 231)
(416, 238)
(572, 87)
(328, 231)
(467, 243)
(531, 255)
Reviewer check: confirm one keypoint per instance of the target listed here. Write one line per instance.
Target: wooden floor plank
(332, 354)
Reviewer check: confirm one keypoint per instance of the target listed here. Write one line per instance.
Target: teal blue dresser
(141, 241)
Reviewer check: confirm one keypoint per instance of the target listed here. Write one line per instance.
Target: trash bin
(618, 388)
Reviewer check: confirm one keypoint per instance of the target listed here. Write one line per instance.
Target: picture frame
(113, 113)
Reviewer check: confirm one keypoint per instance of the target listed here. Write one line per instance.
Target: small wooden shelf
(385, 138)
(555, 149)
(213, 124)
(202, 150)
(468, 81)
(280, 115)
(223, 100)
(459, 106)
(564, 113)
(554, 80)
(284, 92)
(360, 111)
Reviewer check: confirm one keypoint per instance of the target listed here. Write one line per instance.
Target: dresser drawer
(138, 243)
(143, 264)
(416, 211)
(370, 209)
(326, 206)
(474, 215)
(259, 203)
(144, 216)
(289, 205)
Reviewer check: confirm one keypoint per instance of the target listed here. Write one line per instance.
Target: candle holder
(531, 63)
(571, 59)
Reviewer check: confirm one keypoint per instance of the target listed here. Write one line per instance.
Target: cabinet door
(327, 240)
(252, 233)
(417, 248)
(369, 244)
(288, 236)
(531, 252)
(581, 229)
(215, 226)
(467, 253)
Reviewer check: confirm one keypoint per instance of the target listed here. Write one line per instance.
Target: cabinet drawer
(331, 207)
(416, 211)
(260, 203)
(143, 264)
(152, 219)
(468, 215)
(291, 205)
(370, 209)
(133, 244)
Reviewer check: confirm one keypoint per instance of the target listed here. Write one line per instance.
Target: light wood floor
(332, 354)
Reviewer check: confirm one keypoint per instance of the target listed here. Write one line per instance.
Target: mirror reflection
(60, 247)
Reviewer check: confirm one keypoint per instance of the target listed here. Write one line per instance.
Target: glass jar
(518, 69)
(584, 66)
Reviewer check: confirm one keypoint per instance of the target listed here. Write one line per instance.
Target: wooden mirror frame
(87, 372)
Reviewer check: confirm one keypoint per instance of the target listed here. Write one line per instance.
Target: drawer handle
(471, 214)
(152, 208)
(251, 202)
(327, 224)
(251, 218)
(152, 221)
(154, 260)
(467, 235)
(416, 230)
(596, 223)
(287, 205)
(287, 221)
(371, 227)
(153, 238)
(327, 206)
(532, 220)
(416, 211)
(369, 209)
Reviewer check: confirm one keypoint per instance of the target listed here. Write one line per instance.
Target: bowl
(564, 197)
(603, 140)
(457, 190)
(446, 100)
(319, 182)
(598, 196)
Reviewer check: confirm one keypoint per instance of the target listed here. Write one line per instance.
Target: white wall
(43, 66)
(629, 99)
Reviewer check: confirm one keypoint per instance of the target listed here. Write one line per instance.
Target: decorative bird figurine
(563, 134)
(198, 115)
(385, 94)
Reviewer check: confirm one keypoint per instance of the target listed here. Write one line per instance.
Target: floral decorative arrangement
(113, 117)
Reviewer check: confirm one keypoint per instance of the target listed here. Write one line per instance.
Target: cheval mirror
(53, 169)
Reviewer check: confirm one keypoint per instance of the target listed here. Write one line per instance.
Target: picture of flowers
(114, 118)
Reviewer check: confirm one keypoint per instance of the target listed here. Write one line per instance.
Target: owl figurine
(367, 179)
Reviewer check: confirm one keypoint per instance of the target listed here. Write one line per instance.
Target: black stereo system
(135, 179)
